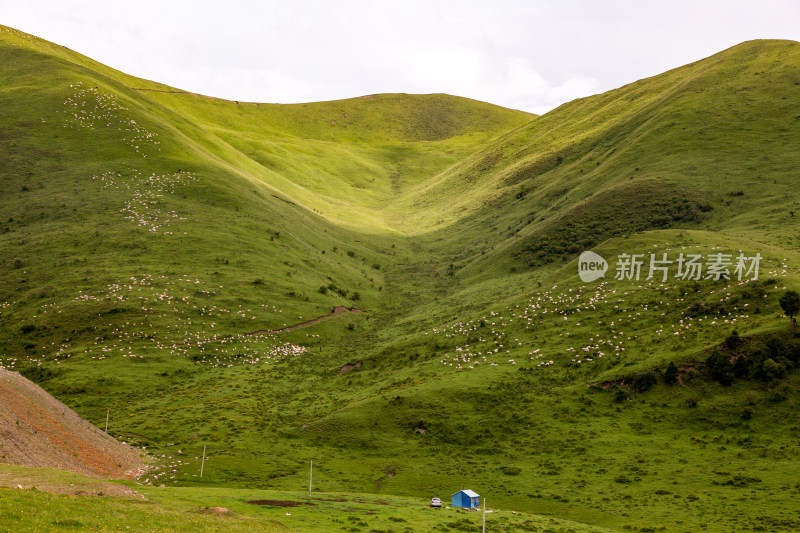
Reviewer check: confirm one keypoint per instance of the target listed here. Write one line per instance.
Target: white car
(436, 502)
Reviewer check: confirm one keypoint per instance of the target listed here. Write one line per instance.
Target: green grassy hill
(159, 244)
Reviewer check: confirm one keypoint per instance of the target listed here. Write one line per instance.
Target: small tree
(671, 373)
(733, 340)
(720, 368)
(741, 367)
(790, 303)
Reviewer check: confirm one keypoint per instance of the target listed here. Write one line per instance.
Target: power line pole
(484, 515)
(310, 477)
(203, 463)
(107, 413)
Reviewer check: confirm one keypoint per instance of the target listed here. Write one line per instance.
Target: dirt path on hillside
(336, 311)
(38, 430)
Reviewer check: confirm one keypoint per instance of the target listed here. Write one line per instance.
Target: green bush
(741, 367)
(790, 303)
(38, 374)
(720, 368)
(620, 395)
(770, 370)
(733, 340)
(644, 381)
(740, 480)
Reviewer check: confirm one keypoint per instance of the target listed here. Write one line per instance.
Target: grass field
(227, 509)
(156, 242)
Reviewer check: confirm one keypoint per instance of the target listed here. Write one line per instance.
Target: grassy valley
(159, 246)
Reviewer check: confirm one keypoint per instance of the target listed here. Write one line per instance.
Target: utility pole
(484, 515)
(107, 413)
(203, 463)
(310, 477)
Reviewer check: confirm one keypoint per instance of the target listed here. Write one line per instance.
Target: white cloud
(516, 53)
(245, 85)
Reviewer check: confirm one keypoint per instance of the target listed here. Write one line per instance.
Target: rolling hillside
(160, 246)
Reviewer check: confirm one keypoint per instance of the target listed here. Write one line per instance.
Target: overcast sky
(531, 55)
